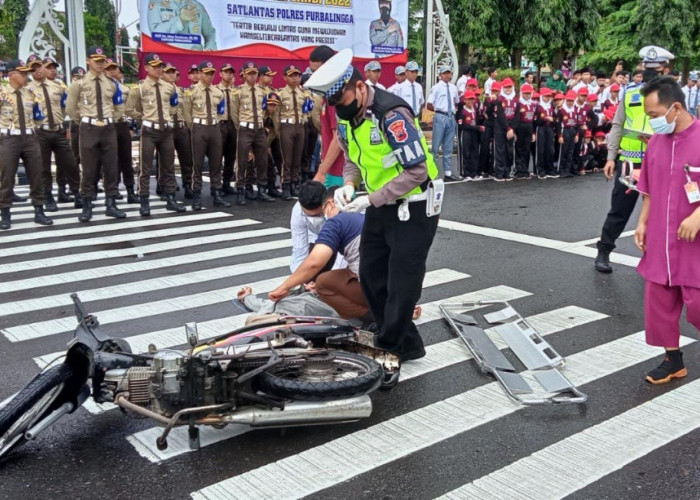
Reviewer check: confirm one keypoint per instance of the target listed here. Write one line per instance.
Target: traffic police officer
(385, 31)
(228, 129)
(385, 148)
(18, 108)
(629, 118)
(182, 17)
(121, 126)
(91, 102)
(181, 135)
(52, 137)
(292, 129)
(204, 105)
(150, 102)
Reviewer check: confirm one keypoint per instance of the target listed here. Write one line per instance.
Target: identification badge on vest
(375, 138)
(436, 195)
(691, 188)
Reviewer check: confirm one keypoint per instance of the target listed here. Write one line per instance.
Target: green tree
(13, 15)
(104, 11)
(95, 33)
(416, 30)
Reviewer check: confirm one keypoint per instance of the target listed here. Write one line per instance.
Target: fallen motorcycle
(287, 372)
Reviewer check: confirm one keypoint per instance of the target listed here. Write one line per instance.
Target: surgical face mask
(348, 111)
(660, 126)
(315, 222)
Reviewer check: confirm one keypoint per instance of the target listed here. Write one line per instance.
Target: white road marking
(64, 213)
(98, 216)
(329, 464)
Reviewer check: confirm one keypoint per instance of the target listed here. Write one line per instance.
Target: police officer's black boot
(86, 214)
(286, 192)
(112, 210)
(227, 189)
(131, 196)
(77, 200)
(173, 205)
(250, 193)
(49, 201)
(40, 217)
(272, 190)
(145, 209)
(197, 199)
(602, 262)
(218, 199)
(188, 191)
(240, 197)
(63, 196)
(18, 199)
(262, 194)
(5, 220)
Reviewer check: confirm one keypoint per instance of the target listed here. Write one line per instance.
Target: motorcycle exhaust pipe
(303, 413)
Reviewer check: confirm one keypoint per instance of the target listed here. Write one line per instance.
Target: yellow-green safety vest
(633, 149)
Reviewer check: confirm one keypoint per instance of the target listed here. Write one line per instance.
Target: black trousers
(470, 152)
(392, 268)
(523, 149)
(98, 154)
(276, 151)
(161, 141)
(229, 141)
(182, 139)
(26, 148)
(566, 164)
(503, 151)
(206, 141)
(309, 147)
(545, 150)
(621, 207)
(292, 139)
(75, 141)
(124, 159)
(486, 151)
(577, 148)
(56, 143)
(255, 173)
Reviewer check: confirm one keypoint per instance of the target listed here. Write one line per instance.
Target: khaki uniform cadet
(204, 103)
(385, 31)
(227, 128)
(274, 163)
(18, 141)
(248, 115)
(91, 102)
(272, 128)
(292, 130)
(76, 73)
(151, 103)
(52, 136)
(182, 137)
(313, 130)
(184, 17)
(121, 126)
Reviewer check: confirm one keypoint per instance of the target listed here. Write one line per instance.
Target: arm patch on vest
(404, 139)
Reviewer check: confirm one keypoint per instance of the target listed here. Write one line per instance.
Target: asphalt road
(445, 429)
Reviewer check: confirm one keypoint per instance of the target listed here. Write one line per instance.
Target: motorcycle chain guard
(541, 361)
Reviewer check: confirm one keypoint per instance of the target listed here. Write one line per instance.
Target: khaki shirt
(228, 115)
(243, 104)
(143, 105)
(178, 111)
(196, 100)
(82, 100)
(55, 90)
(315, 114)
(9, 115)
(287, 105)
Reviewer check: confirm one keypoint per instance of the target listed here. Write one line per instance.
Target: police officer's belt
(156, 126)
(15, 131)
(96, 122)
(410, 199)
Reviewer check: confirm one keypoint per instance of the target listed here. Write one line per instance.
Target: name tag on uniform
(691, 187)
(375, 138)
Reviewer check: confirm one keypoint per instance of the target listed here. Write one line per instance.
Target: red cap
(507, 83)
(496, 86)
(610, 113)
(588, 134)
(571, 95)
(469, 94)
(545, 92)
(536, 95)
(614, 87)
(592, 98)
(472, 82)
(559, 97)
(526, 89)
(600, 133)
(583, 91)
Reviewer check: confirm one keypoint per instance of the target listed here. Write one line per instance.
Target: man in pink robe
(669, 223)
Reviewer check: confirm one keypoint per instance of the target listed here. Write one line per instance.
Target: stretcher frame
(541, 361)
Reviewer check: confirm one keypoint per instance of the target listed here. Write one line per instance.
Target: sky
(129, 14)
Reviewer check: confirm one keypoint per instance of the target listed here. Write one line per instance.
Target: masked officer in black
(404, 198)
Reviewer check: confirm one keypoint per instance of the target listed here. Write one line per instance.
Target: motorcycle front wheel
(335, 375)
(30, 405)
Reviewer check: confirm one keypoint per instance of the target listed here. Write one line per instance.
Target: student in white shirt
(373, 71)
(412, 90)
(443, 100)
(400, 73)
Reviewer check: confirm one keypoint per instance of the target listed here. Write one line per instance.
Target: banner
(276, 29)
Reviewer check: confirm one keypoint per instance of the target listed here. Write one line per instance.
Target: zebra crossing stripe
(438, 356)
(121, 226)
(329, 464)
(127, 237)
(207, 329)
(143, 265)
(143, 286)
(98, 217)
(20, 215)
(134, 251)
(561, 469)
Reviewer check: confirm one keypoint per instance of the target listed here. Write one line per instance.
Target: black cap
(249, 67)
(291, 69)
(49, 61)
(78, 70)
(17, 65)
(207, 67)
(96, 53)
(153, 60)
(227, 66)
(265, 70)
(33, 60)
(273, 97)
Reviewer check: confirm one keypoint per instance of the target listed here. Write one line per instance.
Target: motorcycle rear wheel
(30, 405)
(339, 375)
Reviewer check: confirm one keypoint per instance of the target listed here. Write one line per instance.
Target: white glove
(359, 205)
(343, 196)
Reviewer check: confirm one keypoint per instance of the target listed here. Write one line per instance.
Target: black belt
(443, 113)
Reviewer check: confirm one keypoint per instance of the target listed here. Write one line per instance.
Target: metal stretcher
(534, 353)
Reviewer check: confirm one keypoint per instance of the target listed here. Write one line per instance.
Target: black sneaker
(602, 262)
(452, 178)
(411, 355)
(671, 367)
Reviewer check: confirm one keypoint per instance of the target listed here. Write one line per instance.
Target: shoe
(479, 178)
(451, 178)
(240, 197)
(63, 196)
(602, 262)
(498, 179)
(250, 194)
(263, 196)
(40, 218)
(273, 191)
(50, 202)
(541, 177)
(468, 178)
(119, 197)
(145, 209)
(86, 214)
(112, 210)
(671, 367)
(77, 200)
(576, 173)
(508, 179)
(173, 205)
(286, 192)
(567, 175)
(197, 200)
(411, 355)
(5, 219)
(487, 177)
(219, 201)
(552, 176)
(18, 199)
(131, 196)
(226, 189)
(294, 189)
(189, 194)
